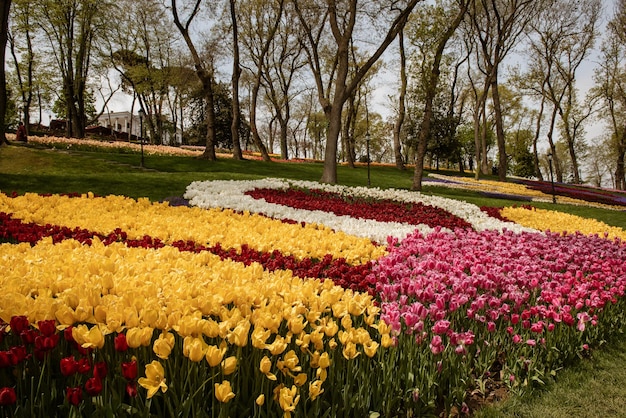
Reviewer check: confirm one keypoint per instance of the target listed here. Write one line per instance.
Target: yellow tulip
(259, 337)
(134, 337)
(315, 389)
(290, 360)
(65, 315)
(154, 380)
(331, 328)
(214, 355)
(332, 344)
(346, 322)
(194, 348)
(100, 314)
(300, 379)
(296, 324)
(146, 336)
(349, 351)
(229, 365)
(149, 317)
(387, 341)
(324, 361)
(224, 392)
(163, 345)
(210, 328)
(278, 346)
(370, 348)
(239, 336)
(88, 338)
(288, 399)
(265, 367)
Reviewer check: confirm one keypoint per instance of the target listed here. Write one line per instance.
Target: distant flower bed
(535, 191)
(588, 194)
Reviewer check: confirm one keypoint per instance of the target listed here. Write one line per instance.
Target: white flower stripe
(231, 194)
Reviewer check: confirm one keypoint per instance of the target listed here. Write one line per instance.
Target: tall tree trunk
(205, 76)
(4, 30)
(620, 171)
(256, 139)
(555, 158)
(234, 127)
(497, 108)
(431, 91)
(536, 139)
(348, 133)
(397, 127)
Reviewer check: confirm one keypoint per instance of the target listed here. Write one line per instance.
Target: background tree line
(486, 86)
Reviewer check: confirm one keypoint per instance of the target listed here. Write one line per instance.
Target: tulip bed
(273, 297)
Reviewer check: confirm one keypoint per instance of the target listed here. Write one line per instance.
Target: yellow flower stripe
(207, 302)
(208, 227)
(561, 222)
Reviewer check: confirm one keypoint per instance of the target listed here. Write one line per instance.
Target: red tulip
(74, 395)
(83, 365)
(7, 396)
(120, 342)
(19, 324)
(129, 370)
(100, 370)
(69, 366)
(48, 327)
(93, 386)
(131, 389)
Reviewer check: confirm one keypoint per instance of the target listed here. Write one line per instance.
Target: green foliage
(518, 146)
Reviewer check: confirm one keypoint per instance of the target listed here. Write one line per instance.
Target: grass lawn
(595, 387)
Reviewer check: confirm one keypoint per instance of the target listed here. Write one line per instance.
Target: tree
(397, 127)
(341, 19)
(497, 25)
(4, 30)
(610, 87)
(282, 66)
(73, 28)
(457, 14)
(260, 23)
(23, 27)
(204, 72)
(561, 41)
(234, 129)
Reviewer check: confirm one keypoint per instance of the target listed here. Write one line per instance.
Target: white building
(124, 123)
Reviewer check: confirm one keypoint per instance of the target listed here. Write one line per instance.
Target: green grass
(41, 170)
(594, 387)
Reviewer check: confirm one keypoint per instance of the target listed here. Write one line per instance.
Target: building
(124, 122)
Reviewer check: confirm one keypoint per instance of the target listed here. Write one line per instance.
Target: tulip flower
(288, 399)
(7, 396)
(315, 389)
(93, 386)
(229, 365)
(154, 380)
(129, 369)
(214, 355)
(163, 345)
(223, 391)
(74, 395)
(265, 367)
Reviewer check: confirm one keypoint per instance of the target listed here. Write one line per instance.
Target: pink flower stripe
(378, 210)
(338, 270)
(482, 280)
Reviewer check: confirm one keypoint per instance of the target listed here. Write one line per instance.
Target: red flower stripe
(360, 208)
(338, 270)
